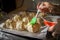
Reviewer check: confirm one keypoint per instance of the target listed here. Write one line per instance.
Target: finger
(38, 5)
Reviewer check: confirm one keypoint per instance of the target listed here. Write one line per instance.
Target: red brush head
(49, 24)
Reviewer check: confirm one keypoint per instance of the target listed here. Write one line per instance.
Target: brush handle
(37, 13)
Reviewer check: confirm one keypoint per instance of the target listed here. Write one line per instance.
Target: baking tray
(30, 34)
(25, 33)
(20, 33)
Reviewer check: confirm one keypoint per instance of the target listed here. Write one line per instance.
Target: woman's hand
(44, 7)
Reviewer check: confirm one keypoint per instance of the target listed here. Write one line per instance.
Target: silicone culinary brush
(34, 19)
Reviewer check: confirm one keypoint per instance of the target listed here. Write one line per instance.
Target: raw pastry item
(23, 26)
(29, 27)
(16, 18)
(10, 24)
(31, 14)
(19, 25)
(38, 20)
(42, 15)
(23, 14)
(25, 19)
(34, 28)
(13, 24)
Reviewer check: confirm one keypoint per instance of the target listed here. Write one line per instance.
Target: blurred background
(10, 5)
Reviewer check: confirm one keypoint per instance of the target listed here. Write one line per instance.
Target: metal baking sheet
(39, 35)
